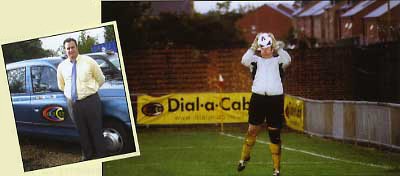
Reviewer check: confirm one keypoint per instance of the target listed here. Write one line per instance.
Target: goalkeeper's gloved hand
(280, 45)
(274, 44)
(254, 45)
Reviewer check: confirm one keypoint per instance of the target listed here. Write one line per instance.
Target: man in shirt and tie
(80, 77)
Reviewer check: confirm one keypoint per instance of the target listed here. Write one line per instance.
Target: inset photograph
(70, 100)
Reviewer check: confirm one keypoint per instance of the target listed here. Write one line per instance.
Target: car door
(20, 97)
(48, 103)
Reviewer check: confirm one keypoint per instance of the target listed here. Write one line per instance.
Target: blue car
(40, 108)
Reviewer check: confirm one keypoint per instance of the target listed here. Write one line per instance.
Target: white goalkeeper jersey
(267, 80)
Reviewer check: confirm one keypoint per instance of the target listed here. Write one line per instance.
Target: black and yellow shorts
(264, 108)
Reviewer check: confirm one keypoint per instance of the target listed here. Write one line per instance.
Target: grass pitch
(199, 152)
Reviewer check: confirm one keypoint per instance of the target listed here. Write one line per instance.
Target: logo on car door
(53, 113)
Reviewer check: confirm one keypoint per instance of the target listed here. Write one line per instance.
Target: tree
(60, 50)
(109, 34)
(139, 29)
(85, 43)
(223, 7)
(129, 16)
(198, 31)
(243, 9)
(24, 50)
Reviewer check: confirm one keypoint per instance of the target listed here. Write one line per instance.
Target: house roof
(346, 6)
(296, 12)
(319, 12)
(316, 8)
(275, 7)
(286, 7)
(329, 6)
(382, 9)
(291, 7)
(359, 7)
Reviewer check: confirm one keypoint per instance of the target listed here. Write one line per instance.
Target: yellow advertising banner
(294, 113)
(193, 108)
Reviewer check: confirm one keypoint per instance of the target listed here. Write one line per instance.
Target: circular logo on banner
(152, 109)
(53, 113)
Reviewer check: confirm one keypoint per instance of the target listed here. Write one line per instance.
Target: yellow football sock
(276, 155)
(247, 145)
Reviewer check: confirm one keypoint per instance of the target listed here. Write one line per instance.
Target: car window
(44, 79)
(16, 80)
(115, 61)
(102, 63)
(109, 70)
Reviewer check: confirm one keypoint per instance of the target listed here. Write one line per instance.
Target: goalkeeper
(266, 103)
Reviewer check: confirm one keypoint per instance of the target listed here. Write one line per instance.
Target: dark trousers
(87, 116)
(266, 108)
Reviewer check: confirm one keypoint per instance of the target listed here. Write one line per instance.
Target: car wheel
(117, 138)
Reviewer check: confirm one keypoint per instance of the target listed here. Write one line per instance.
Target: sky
(205, 6)
(54, 42)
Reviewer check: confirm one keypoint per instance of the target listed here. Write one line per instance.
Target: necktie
(74, 94)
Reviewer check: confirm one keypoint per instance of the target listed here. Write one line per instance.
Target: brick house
(331, 17)
(267, 18)
(376, 22)
(351, 21)
(299, 22)
(312, 20)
